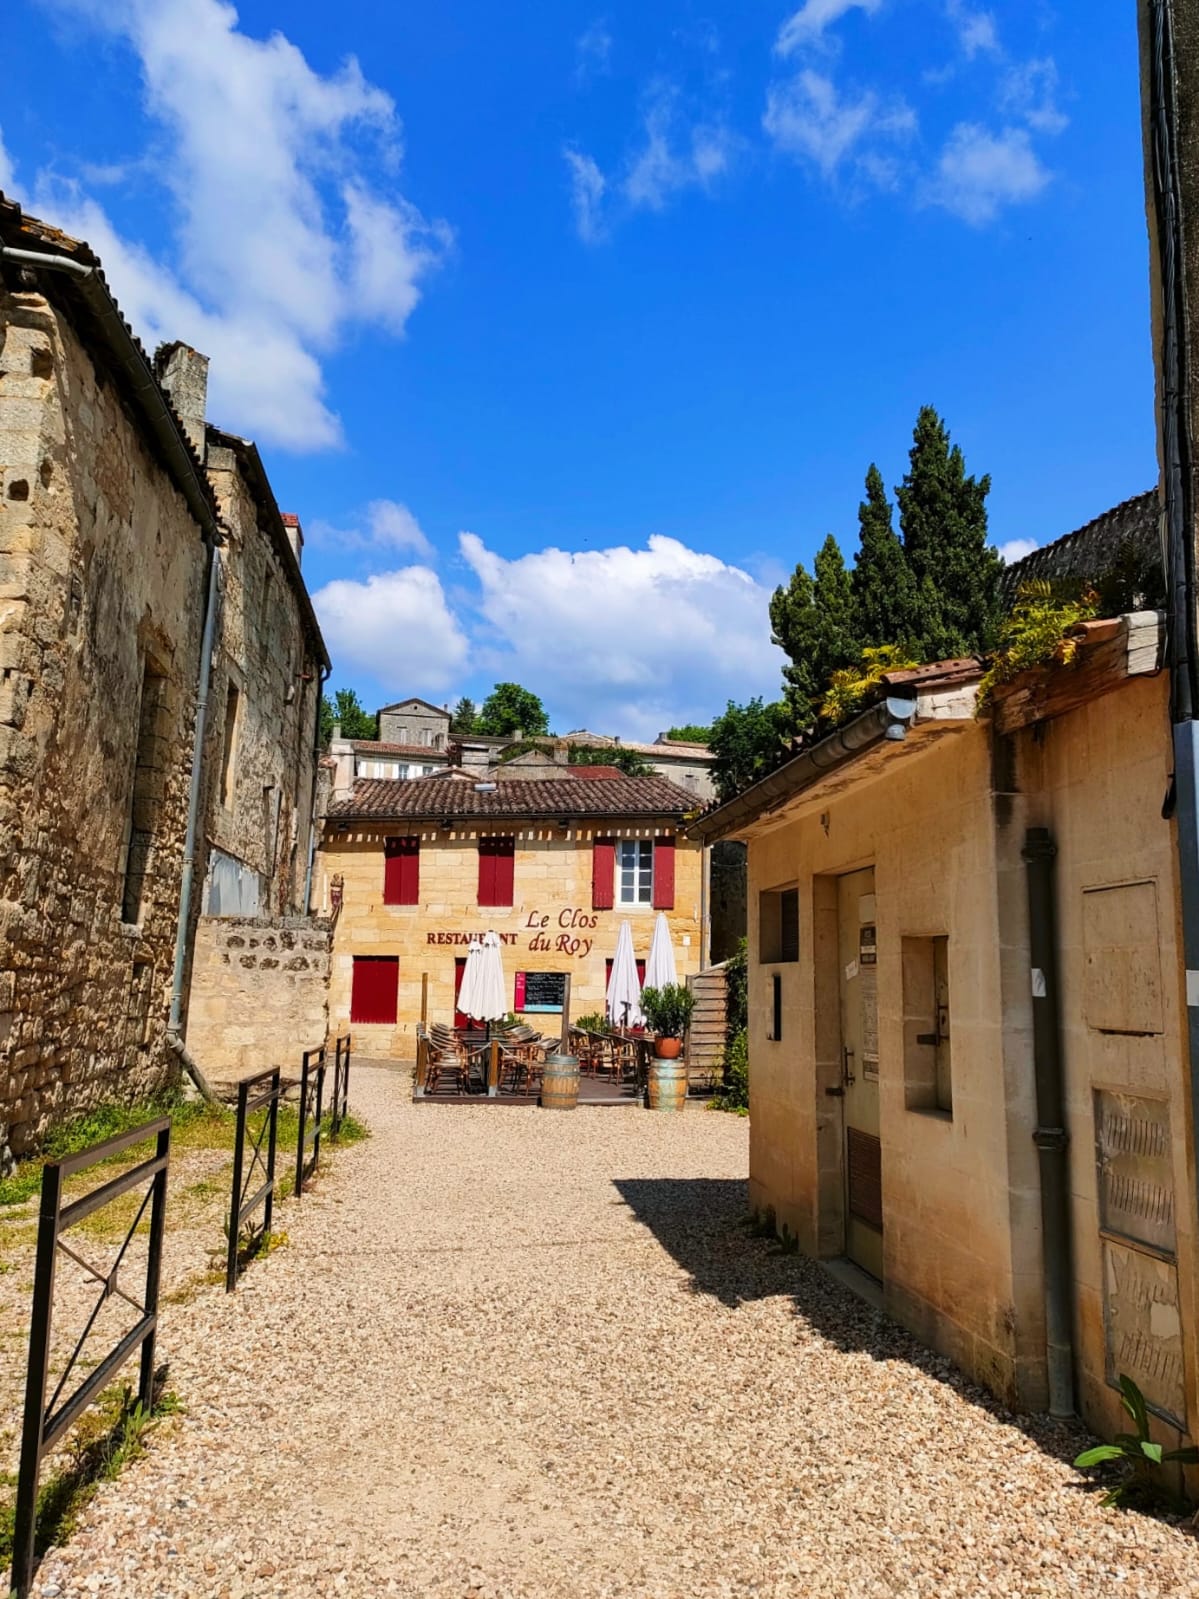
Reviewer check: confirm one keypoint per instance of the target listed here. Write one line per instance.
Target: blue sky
(567, 330)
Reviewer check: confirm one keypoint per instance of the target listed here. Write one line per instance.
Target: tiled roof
(588, 773)
(370, 746)
(1090, 550)
(621, 796)
(663, 750)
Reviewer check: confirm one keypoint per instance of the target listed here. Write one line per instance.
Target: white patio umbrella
(468, 988)
(492, 997)
(660, 969)
(624, 986)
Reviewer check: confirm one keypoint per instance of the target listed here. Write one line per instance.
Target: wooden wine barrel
(560, 1082)
(667, 1084)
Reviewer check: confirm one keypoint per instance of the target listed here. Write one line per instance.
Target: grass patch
(107, 1437)
(351, 1131)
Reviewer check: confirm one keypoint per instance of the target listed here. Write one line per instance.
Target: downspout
(1177, 483)
(316, 775)
(1051, 1138)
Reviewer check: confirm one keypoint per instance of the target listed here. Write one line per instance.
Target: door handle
(846, 1056)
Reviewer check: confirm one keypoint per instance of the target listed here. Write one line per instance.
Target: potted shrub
(667, 1012)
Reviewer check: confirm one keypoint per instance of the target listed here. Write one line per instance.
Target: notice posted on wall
(540, 991)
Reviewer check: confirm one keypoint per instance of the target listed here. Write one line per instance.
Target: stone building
(896, 1118)
(415, 722)
(688, 765)
(553, 866)
(114, 541)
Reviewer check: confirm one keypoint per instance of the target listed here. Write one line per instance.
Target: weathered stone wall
(102, 576)
(410, 722)
(259, 993)
(262, 816)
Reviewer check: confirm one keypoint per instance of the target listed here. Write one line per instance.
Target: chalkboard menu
(545, 991)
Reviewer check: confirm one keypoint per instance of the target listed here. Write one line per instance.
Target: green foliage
(850, 688)
(523, 746)
(689, 733)
(345, 707)
(593, 1022)
(736, 992)
(465, 718)
(1036, 633)
(1136, 1452)
(884, 590)
(736, 1073)
(668, 1009)
(352, 1130)
(512, 709)
(813, 621)
(628, 761)
(955, 572)
(747, 741)
(107, 1437)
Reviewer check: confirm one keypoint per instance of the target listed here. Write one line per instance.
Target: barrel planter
(560, 1082)
(667, 1084)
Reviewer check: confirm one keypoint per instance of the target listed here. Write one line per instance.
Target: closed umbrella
(660, 971)
(468, 989)
(624, 986)
(492, 997)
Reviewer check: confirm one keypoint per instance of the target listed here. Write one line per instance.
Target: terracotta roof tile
(370, 746)
(620, 796)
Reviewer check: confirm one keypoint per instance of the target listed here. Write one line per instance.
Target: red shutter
(459, 968)
(374, 996)
(664, 874)
(401, 871)
(497, 875)
(603, 874)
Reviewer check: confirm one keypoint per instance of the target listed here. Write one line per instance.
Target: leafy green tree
(465, 717)
(512, 709)
(747, 741)
(629, 761)
(690, 733)
(943, 515)
(813, 620)
(884, 590)
(345, 707)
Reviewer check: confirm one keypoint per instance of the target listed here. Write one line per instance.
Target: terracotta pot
(668, 1048)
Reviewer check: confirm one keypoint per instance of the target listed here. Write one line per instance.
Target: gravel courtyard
(507, 1352)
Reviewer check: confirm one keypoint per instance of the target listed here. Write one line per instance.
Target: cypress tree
(943, 515)
(813, 620)
(884, 591)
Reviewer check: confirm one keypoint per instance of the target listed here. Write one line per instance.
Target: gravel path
(511, 1353)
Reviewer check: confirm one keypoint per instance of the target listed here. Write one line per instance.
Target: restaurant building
(415, 869)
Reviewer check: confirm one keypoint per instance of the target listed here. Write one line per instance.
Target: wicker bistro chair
(589, 1049)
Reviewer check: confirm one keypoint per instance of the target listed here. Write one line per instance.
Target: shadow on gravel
(703, 1224)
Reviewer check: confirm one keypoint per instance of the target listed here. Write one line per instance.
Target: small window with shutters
(401, 871)
(497, 863)
(603, 874)
(374, 994)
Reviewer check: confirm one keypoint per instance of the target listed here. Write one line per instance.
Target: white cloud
(808, 117)
(389, 525)
(560, 621)
(593, 50)
(667, 163)
(396, 627)
(587, 188)
(980, 172)
(977, 30)
(288, 228)
(1016, 549)
(808, 24)
(1029, 91)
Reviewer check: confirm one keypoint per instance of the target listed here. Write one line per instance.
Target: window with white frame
(634, 871)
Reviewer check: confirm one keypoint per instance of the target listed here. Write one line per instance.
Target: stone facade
(942, 823)
(260, 993)
(111, 525)
(415, 722)
(103, 568)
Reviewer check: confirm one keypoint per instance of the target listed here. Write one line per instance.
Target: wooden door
(858, 956)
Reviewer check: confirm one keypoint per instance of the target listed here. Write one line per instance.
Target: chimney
(183, 373)
(295, 534)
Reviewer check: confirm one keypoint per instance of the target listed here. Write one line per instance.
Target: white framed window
(634, 871)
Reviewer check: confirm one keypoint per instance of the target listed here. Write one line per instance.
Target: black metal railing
(261, 1092)
(341, 1083)
(312, 1094)
(46, 1422)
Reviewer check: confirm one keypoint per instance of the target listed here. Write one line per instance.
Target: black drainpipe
(1050, 1137)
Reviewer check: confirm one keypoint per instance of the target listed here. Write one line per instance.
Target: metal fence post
(35, 1383)
(158, 1218)
(239, 1149)
(303, 1125)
